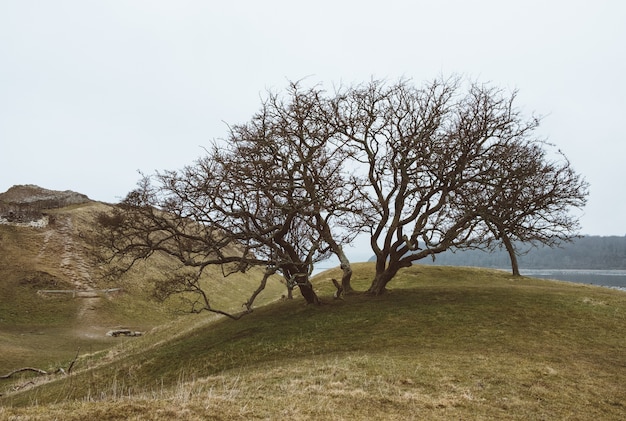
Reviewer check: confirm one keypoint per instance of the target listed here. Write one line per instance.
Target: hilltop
(26, 203)
(43, 198)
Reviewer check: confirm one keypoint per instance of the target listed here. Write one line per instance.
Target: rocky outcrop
(123, 332)
(27, 203)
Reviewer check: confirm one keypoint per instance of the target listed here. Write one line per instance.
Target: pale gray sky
(92, 91)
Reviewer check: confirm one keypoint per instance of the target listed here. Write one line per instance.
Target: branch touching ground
(42, 372)
(20, 370)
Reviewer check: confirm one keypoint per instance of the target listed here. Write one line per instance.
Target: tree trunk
(382, 278)
(379, 284)
(385, 273)
(338, 251)
(512, 255)
(306, 289)
(347, 272)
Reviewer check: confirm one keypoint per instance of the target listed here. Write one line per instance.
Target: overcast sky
(93, 91)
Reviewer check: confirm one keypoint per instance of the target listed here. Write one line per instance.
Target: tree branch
(21, 370)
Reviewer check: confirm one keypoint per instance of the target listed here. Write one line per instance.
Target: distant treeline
(590, 252)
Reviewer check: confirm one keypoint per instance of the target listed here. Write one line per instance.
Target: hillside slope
(445, 343)
(54, 299)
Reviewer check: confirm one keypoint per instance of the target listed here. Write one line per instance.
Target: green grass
(46, 331)
(445, 343)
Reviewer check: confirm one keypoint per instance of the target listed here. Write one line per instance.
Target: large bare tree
(421, 148)
(449, 165)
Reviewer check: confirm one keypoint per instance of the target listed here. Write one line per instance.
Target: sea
(607, 278)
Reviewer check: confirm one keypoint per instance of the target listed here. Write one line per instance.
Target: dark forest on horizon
(588, 252)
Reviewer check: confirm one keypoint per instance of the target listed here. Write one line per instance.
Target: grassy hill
(46, 330)
(445, 343)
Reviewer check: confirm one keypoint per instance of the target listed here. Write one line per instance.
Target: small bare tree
(527, 198)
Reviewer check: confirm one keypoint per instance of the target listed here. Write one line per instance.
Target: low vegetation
(46, 331)
(445, 343)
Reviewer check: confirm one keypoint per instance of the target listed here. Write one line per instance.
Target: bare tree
(422, 148)
(423, 170)
(165, 215)
(293, 137)
(275, 195)
(527, 198)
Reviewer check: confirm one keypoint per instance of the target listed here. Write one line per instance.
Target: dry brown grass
(446, 343)
(348, 387)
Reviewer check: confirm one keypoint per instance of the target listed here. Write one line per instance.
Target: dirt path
(75, 269)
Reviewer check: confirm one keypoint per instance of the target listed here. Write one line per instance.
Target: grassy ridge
(46, 331)
(445, 343)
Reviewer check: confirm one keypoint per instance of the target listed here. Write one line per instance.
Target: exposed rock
(123, 332)
(25, 204)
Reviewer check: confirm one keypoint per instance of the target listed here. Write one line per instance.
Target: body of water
(606, 278)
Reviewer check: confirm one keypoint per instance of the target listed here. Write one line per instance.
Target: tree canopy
(421, 170)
